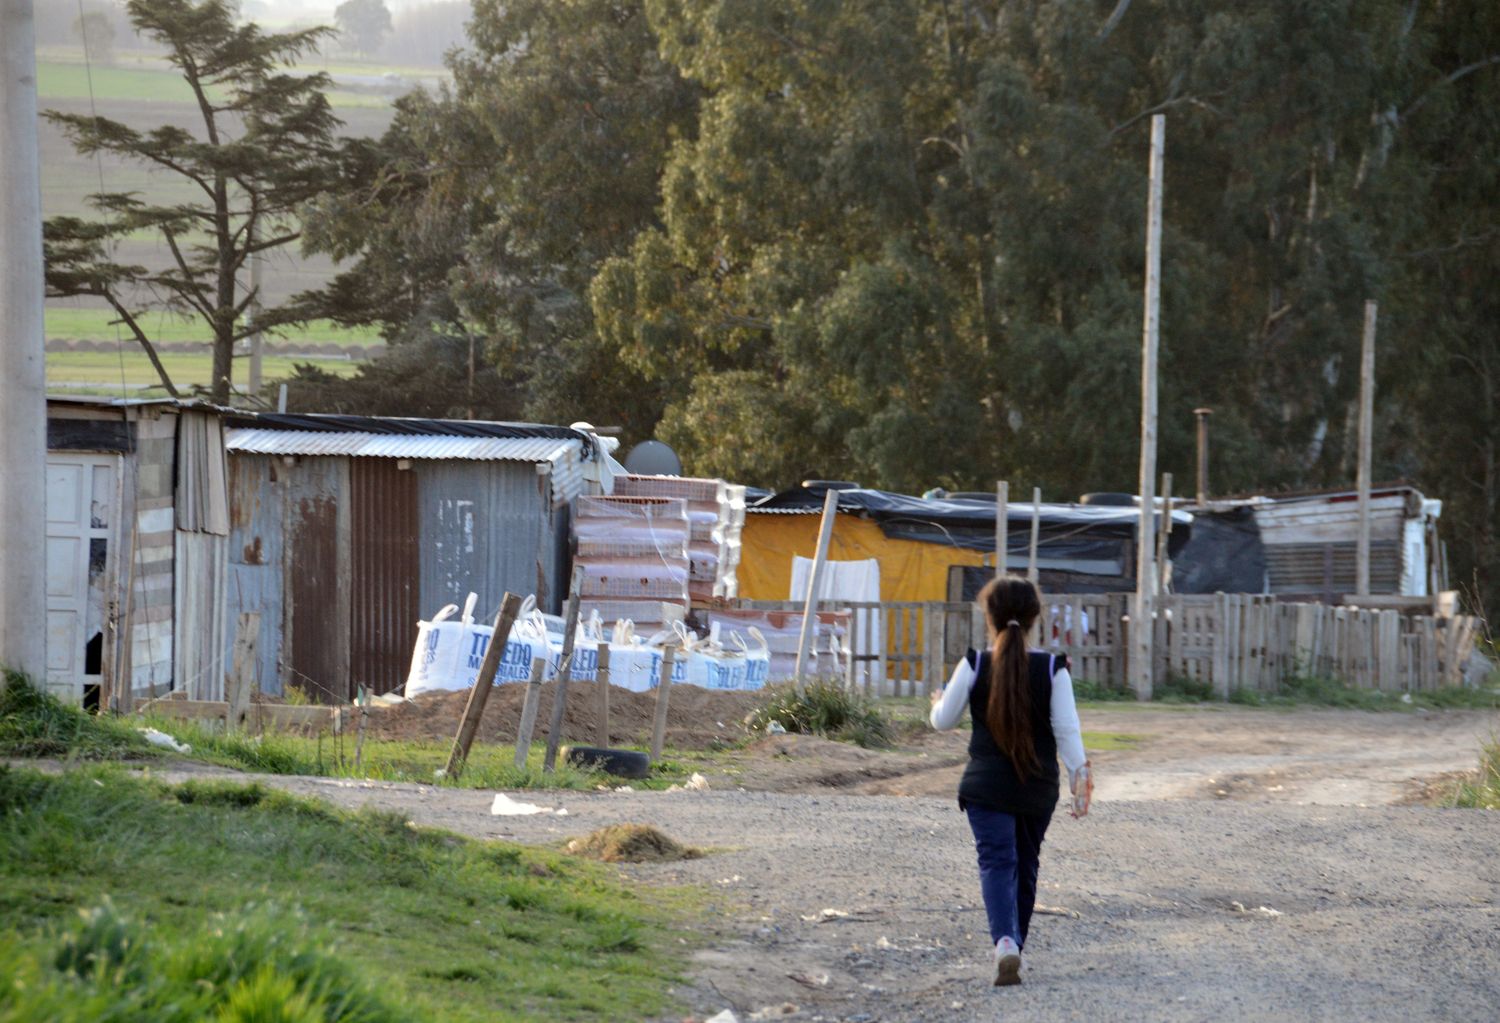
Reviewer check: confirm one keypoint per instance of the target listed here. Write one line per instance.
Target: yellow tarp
(909, 569)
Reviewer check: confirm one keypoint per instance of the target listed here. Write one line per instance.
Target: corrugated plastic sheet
(565, 456)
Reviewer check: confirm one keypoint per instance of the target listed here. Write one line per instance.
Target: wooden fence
(1225, 641)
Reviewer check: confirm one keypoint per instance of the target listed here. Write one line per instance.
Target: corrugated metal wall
(317, 578)
(256, 560)
(487, 527)
(384, 571)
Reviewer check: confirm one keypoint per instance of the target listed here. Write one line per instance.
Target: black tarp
(1225, 555)
(1071, 531)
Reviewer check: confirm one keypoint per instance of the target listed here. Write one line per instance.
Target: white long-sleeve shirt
(1064, 712)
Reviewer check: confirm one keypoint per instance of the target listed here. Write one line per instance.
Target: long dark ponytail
(1012, 605)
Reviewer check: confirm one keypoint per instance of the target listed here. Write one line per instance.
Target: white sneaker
(1007, 963)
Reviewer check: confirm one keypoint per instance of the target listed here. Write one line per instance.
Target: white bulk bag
(436, 663)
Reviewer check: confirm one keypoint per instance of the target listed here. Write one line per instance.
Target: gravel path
(1370, 913)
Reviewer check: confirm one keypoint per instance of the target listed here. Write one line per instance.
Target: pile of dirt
(631, 843)
(695, 717)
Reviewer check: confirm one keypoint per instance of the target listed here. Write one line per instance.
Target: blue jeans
(1008, 846)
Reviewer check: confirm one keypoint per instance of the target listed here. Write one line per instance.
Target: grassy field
(92, 324)
(106, 372)
(147, 80)
(351, 910)
(442, 928)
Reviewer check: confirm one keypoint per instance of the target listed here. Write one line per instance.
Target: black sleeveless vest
(990, 779)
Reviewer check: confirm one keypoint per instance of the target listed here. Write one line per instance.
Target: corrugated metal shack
(1303, 546)
(137, 523)
(345, 530)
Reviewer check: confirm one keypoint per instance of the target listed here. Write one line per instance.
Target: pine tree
(265, 148)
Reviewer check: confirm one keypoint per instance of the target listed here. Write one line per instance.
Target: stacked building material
(716, 516)
(634, 554)
(782, 631)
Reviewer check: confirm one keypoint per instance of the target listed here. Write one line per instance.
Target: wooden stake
(1002, 525)
(1163, 532)
(480, 694)
(361, 704)
(1036, 533)
(1141, 660)
(820, 556)
(1203, 414)
(564, 671)
(528, 710)
(603, 682)
(663, 694)
(1366, 431)
(241, 677)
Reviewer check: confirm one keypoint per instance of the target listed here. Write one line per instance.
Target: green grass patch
(74, 324)
(1098, 741)
(1099, 692)
(153, 81)
(1483, 791)
(453, 929)
(105, 372)
(36, 724)
(823, 708)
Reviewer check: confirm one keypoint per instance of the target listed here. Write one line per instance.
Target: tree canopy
(902, 242)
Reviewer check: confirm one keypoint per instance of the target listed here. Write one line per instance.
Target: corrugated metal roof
(563, 456)
(388, 445)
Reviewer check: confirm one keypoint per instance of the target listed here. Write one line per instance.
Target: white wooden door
(82, 512)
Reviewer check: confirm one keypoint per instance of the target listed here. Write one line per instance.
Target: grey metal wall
(488, 527)
(256, 557)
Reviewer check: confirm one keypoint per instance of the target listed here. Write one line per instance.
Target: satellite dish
(653, 458)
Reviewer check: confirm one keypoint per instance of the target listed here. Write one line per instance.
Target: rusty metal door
(385, 572)
(317, 577)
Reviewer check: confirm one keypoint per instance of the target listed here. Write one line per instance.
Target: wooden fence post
(241, 678)
(564, 671)
(528, 710)
(602, 680)
(510, 607)
(663, 694)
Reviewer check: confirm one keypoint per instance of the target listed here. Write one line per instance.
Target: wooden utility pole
(602, 680)
(1145, 565)
(1002, 524)
(814, 579)
(510, 608)
(1366, 433)
(23, 402)
(257, 340)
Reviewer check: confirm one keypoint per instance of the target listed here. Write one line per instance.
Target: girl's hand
(937, 694)
(1080, 807)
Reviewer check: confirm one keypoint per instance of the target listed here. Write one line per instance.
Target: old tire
(622, 763)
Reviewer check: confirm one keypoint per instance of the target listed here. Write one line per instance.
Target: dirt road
(1175, 902)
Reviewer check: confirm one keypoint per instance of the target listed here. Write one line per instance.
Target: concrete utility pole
(1366, 433)
(1002, 524)
(1141, 626)
(23, 387)
(1203, 414)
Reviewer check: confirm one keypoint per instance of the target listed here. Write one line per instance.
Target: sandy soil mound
(695, 717)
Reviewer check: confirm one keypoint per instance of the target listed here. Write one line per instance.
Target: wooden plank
(1002, 524)
(814, 578)
(528, 711)
(663, 696)
(1036, 532)
(468, 726)
(1366, 431)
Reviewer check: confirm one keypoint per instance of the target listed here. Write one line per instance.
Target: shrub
(823, 708)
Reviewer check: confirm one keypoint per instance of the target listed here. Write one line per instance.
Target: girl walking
(1021, 706)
